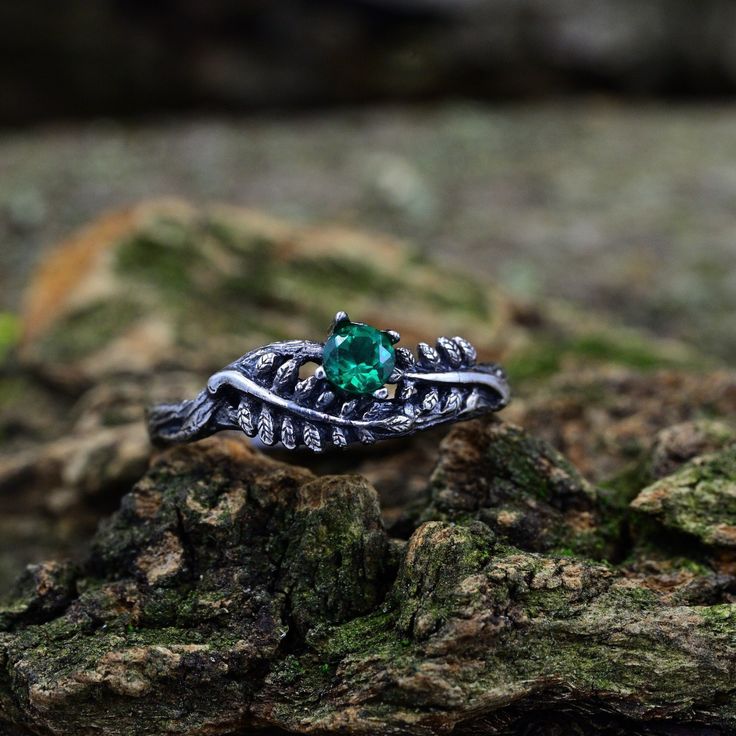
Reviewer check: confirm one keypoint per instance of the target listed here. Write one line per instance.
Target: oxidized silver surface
(262, 394)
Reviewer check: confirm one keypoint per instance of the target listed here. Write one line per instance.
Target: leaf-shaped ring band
(346, 399)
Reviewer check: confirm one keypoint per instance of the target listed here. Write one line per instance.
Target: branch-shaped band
(346, 399)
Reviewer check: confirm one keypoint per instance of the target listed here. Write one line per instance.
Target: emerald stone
(358, 358)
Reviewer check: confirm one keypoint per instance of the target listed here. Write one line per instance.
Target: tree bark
(232, 592)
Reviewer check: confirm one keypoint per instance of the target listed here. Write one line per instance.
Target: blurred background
(582, 149)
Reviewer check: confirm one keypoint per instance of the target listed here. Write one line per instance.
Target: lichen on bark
(698, 499)
(232, 591)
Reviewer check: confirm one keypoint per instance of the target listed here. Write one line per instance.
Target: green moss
(164, 257)
(525, 477)
(624, 486)
(584, 545)
(343, 274)
(632, 599)
(9, 333)
(545, 357)
(673, 549)
(536, 362)
(599, 668)
(13, 390)
(287, 671)
(374, 632)
(611, 525)
(175, 258)
(212, 276)
(256, 273)
(720, 619)
(697, 500)
(338, 567)
(462, 294)
(90, 328)
(343, 279)
(61, 645)
(427, 589)
(629, 352)
(208, 277)
(547, 603)
(239, 240)
(527, 462)
(178, 606)
(697, 567)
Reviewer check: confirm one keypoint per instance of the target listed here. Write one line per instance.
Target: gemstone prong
(319, 372)
(393, 336)
(381, 393)
(340, 317)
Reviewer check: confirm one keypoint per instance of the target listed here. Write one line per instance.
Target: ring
(347, 399)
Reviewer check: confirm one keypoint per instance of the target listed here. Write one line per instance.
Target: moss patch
(545, 357)
(9, 333)
(86, 330)
(699, 499)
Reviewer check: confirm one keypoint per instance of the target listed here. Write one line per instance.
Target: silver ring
(346, 400)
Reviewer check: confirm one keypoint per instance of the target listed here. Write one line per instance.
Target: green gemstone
(358, 358)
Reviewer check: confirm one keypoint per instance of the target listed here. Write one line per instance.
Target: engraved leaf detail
(304, 388)
(453, 401)
(325, 399)
(366, 436)
(312, 437)
(404, 358)
(287, 375)
(427, 354)
(288, 438)
(467, 350)
(338, 437)
(398, 423)
(245, 418)
(430, 400)
(451, 350)
(265, 427)
(265, 362)
(348, 408)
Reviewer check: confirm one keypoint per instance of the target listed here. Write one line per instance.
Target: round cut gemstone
(358, 358)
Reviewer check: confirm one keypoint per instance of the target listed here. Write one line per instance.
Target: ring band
(346, 400)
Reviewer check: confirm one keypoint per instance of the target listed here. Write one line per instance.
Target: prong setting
(358, 358)
(340, 317)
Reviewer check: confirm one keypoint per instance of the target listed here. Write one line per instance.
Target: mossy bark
(231, 592)
(496, 580)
